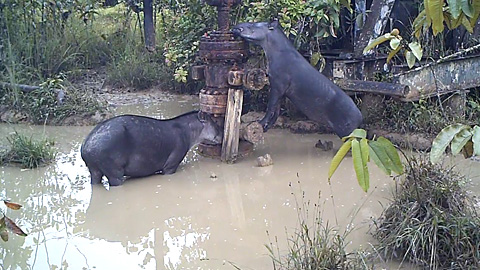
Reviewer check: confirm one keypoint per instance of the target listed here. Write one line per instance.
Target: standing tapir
(137, 146)
(292, 76)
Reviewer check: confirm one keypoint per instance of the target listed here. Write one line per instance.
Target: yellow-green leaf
(380, 157)
(373, 43)
(410, 59)
(420, 22)
(443, 139)
(356, 133)
(394, 43)
(416, 50)
(466, 23)
(315, 58)
(360, 166)
(392, 53)
(476, 12)
(365, 149)
(392, 153)
(476, 140)
(459, 141)
(337, 159)
(435, 12)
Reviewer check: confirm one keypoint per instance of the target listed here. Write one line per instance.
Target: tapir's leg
(95, 175)
(174, 161)
(273, 110)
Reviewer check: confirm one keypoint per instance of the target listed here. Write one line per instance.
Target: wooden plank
(232, 125)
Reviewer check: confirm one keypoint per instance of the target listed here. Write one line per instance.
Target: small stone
(213, 176)
(264, 161)
(325, 146)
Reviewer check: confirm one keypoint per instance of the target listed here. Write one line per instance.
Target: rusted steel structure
(223, 59)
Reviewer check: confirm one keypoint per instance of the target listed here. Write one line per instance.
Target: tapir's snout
(237, 31)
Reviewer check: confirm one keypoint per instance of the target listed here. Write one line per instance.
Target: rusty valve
(255, 79)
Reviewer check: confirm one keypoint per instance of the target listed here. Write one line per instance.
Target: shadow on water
(208, 215)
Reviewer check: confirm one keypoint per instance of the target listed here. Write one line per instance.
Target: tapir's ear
(203, 116)
(273, 24)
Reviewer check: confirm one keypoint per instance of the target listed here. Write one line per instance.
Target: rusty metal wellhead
(223, 58)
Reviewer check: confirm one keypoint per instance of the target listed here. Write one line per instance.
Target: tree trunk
(148, 25)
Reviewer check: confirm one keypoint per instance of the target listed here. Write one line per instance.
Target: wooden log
(29, 88)
(231, 133)
(251, 132)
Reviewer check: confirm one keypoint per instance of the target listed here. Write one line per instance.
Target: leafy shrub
(27, 152)
(432, 221)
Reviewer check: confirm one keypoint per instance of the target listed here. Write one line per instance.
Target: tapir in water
(138, 146)
(292, 76)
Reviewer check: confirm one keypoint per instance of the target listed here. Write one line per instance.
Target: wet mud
(208, 215)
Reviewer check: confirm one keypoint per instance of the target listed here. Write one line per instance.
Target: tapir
(291, 75)
(137, 146)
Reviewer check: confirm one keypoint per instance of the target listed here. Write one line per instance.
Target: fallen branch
(29, 88)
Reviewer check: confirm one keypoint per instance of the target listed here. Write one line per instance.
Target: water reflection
(183, 221)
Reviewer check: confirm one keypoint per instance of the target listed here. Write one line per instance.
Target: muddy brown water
(208, 215)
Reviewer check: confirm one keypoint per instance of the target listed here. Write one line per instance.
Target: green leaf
(459, 141)
(455, 8)
(416, 50)
(339, 157)
(380, 157)
(4, 235)
(394, 43)
(392, 53)
(360, 165)
(476, 12)
(315, 58)
(410, 59)
(435, 13)
(392, 153)
(476, 140)
(467, 8)
(373, 43)
(356, 133)
(443, 139)
(365, 149)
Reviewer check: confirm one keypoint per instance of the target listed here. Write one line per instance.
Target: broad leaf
(455, 8)
(467, 150)
(315, 58)
(416, 50)
(13, 227)
(14, 206)
(410, 59)
(476, 140)
(394, 43)
(392, 153)
(443, 139)
(380, 157)
(467, 8)
(435, 13)
(365, 149)
(337, 159)
(420, 22)
(356, 133)
(360, 165)
(476, 12)
(466, 23)
(373, 43)
(459, 141)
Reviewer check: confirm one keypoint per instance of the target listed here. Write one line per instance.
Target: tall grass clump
(315, 244)
(431, 221)
(27, 152)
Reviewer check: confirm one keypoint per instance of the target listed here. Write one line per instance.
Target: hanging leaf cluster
(453, 13)
(413, 51)
(461, 138)
(381, 151)
(6, 224)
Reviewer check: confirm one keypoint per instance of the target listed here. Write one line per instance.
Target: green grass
(432, 221)
(315, 244)
(27, 152)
